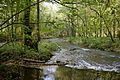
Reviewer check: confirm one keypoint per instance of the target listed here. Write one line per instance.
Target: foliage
(2, 37)
(50, 46)
(94, 22)
(14, 51)
(46, 49)
(18, 51)
(102, 43)
(72, 18)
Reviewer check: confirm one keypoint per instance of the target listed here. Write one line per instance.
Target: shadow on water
(57, 73)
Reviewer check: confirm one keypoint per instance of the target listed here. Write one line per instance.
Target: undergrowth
(17, 50)
(103, 43)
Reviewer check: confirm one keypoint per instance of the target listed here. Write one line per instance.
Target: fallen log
(34, 64)
(33, 61)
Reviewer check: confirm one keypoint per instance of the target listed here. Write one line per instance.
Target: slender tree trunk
(38, 31)
(100, 23)
(114, 27)
(17, 19)
(38, 20)
(12, 29)
(86, 26)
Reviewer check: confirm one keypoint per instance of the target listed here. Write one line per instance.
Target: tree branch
(64, 5)
(19, 13)
(104, 22)
(24, 23)
(71, 3)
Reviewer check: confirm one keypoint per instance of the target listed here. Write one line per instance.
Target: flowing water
(82, 58)
(81, 64)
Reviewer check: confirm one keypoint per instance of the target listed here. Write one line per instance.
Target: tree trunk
(28, 28)
(38, 20)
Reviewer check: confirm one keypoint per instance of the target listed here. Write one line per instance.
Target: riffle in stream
(82, 58)
(81, 64)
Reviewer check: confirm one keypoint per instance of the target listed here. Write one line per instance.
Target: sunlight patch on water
(49, 77)
(48, 72)
(85, 49)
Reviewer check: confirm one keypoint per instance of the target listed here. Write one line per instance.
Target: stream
(81, 64)
(82, 58)
(67, 73)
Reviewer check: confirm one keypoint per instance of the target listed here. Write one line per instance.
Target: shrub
(17, 50)
(46, 49)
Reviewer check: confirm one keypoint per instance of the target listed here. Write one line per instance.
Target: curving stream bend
(81, 64)
(82, 58)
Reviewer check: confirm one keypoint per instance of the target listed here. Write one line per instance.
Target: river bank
(104, 44)
(17, 50)
(95, 64)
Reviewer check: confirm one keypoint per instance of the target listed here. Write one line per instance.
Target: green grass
(103, 43)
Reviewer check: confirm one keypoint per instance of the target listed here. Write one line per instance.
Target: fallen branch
(33, 61)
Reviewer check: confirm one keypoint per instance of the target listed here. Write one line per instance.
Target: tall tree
(28, 28)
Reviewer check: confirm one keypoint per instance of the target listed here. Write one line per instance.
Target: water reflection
(55, 73)
(49, 73)
(32, 74)
(65, 73)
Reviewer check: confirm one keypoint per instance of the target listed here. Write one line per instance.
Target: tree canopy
(30, 20)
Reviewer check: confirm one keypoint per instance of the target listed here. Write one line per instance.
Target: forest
(34, 30)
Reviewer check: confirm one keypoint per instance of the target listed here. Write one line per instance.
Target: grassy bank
(19, 51)
(96, 43)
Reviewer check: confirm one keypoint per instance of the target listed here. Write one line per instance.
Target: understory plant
(103, 43)
(16, 50)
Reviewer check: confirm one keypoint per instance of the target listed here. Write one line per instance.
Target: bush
(18, 51)
(11, 51)
(46, 49)
(2, 37)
